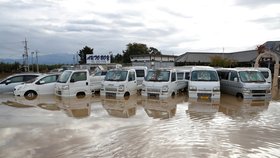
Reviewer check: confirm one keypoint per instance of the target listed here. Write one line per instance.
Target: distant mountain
(50, 59)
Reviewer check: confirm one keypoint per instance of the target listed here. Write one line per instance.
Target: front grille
(153, 90)
(111, 89)
(258, 91)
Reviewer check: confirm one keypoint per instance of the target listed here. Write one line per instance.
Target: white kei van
(246, 83)
(204, 83)
(119, 83)
(160, 83)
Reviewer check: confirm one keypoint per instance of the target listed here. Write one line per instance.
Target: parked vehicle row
(201, 82)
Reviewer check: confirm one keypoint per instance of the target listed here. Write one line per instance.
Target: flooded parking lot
(138, 127)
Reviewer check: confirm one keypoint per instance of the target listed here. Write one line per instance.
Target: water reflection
(161, 108)
(120, 107)
(203, 109)
(245, 108)
(75, 107)
(21, 102)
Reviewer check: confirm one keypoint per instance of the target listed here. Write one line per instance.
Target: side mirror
(72, 80)
(235, 79)
(42, 82)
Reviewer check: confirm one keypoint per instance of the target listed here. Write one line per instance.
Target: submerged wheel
(30, 95)
(80, 95)
(126, 95)
(239, 96)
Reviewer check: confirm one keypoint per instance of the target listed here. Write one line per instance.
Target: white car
(41, 85)
(8, 84)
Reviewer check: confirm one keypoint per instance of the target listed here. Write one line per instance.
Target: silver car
(8, 84)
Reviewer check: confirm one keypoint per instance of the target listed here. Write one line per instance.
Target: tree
(83, 54)
(261, 49)
(222, 62)
(154, 51)
(117, 59)
(134, 49)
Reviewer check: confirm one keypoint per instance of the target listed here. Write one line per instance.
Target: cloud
(269, 22)
(256, 3)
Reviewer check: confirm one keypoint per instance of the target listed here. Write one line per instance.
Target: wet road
(176, 127)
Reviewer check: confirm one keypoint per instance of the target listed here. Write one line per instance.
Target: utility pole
(32, 53)
(26, 56)
(37, 61)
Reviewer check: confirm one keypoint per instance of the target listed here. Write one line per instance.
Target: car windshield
(204, 75)
(116, 75)
(63, 78)
(251, 76)
(158, 76)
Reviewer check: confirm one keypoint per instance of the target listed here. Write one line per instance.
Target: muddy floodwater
(138, 127)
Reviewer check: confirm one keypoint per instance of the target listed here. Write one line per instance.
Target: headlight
(246, 90)
(121, 88)
(192, 88)
(65, 87)
(165, 88)
(216, 89)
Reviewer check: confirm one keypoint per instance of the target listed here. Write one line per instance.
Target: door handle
(87, 83)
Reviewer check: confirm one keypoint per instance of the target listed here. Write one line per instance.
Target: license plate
(204, 97)
(111, 94)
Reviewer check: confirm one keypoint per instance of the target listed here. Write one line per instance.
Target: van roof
(203, 68)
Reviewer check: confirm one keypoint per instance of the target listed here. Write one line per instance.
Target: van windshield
(204, 75)
(158, 76)
(116, 75)
(251, 76)
(63, 78)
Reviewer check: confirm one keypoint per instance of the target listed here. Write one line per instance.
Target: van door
(174, 87)
(233, 83)
(132, 83)
(79, 82)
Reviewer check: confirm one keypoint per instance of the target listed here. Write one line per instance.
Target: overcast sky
(171, 26)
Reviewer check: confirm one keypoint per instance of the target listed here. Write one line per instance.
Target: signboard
(98, 59)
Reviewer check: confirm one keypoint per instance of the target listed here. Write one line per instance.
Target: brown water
(176, 127)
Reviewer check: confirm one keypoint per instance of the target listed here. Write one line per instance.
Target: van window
(116, 75)
(180, 75)
(49, 79)
(251, 76)
(29, 77)
(233, 74)
(140, 73)
(204, 75)
(223, 75)
(265, 74)
(158, 75)
(79, 76)
(16, 79)
(131, 76)
(173, 77)
(187, 75)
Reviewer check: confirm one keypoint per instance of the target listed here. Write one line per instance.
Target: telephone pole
(26, 62)
(32, 53)
(36, 52)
